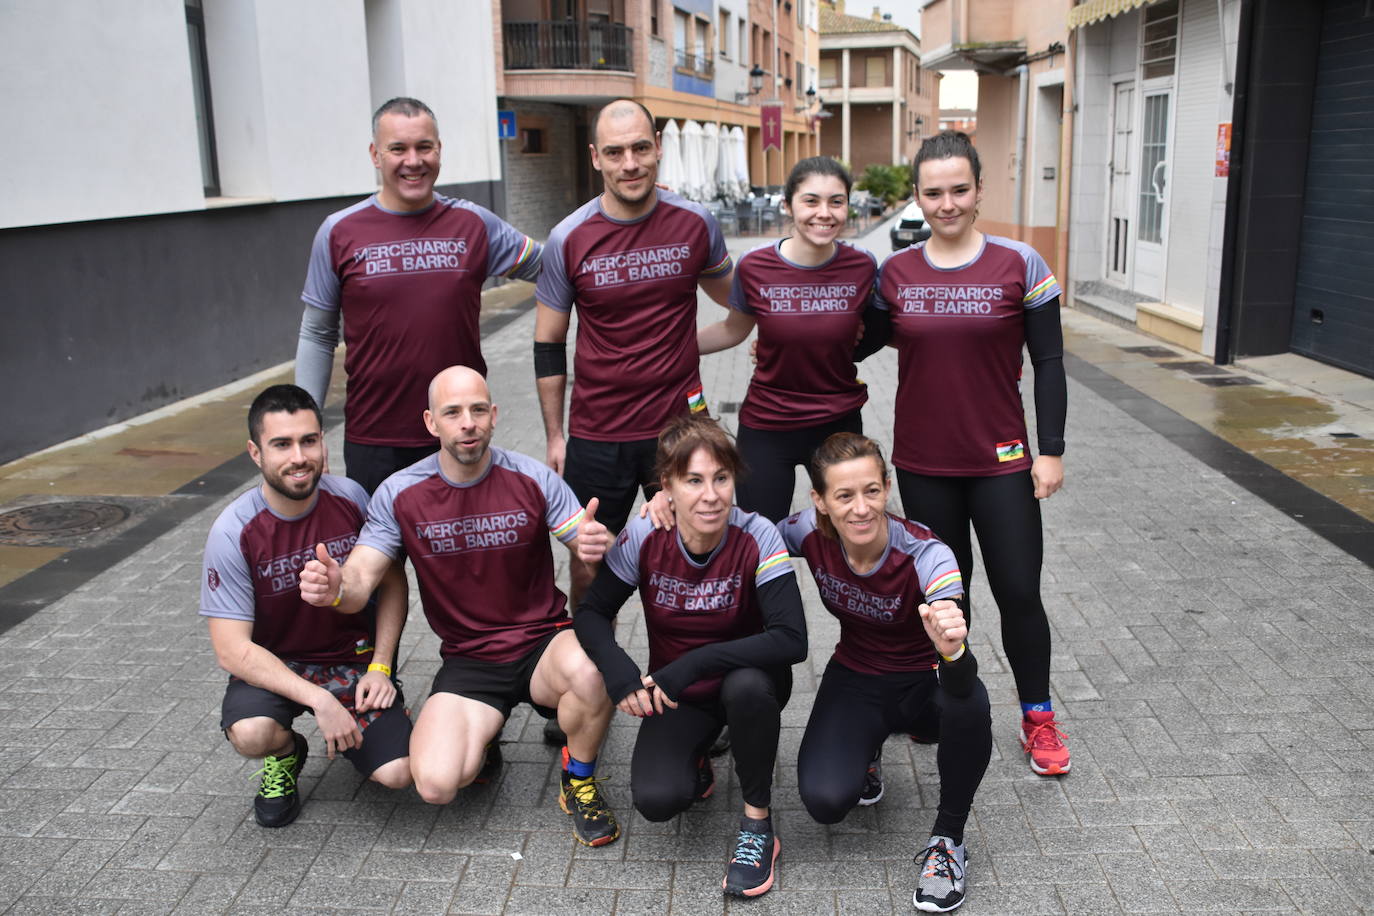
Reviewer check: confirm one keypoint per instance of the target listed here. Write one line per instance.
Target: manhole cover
(58, 524)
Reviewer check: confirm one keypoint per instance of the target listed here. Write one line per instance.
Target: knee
(748, 689)
(586, 683)
(659, 803)
(439, 788)
(394, 774)
(257, 736)
(825, 801)
(970, 713)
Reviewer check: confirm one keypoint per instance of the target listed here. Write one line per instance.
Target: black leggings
(771, 457)
(663, 769)
(854, 713)
(1006, 515)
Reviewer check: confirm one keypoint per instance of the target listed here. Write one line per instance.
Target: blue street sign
(505, 125)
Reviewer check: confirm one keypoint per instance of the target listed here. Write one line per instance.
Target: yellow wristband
(963, 647)
(378, 666)
(339, 600)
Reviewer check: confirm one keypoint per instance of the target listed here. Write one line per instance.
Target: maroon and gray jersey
(635, 287)
(253, 560)
(880, 621)
(689, 604)
(480, 549)
(808, 320)
(409, 288)
(959, 333)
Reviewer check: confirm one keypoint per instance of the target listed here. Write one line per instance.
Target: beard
(279, 483)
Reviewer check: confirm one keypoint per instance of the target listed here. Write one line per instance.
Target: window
(200, 86)
(1159, 40)
(829, 73)
(532, 140)
(681, 25)
(702, 44)
(875, 70)
(724, 32)
(653, 17)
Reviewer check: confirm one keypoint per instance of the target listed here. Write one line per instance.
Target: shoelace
(1046, 734)
(940, 863)
(749, 848)
(276, 776)
(587, 795)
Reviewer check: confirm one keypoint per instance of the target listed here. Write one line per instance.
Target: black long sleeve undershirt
(783, 641)
(1045, 343)
(877, 325)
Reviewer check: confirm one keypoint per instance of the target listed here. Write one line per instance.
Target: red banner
(771, 121)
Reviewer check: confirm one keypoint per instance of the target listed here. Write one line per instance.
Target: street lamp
(756, 76)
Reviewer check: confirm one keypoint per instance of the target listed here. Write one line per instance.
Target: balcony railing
(568, 45)
(701, 66)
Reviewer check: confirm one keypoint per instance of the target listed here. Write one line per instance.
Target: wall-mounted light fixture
(756, 76)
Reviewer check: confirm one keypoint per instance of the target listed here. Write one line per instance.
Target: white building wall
(291, 105)
(1091, 150)
(440, 52)
(1193, 184)
(100, 116)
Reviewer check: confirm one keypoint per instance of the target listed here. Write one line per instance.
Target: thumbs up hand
(321, 579)
(945, 625)
(593, 538)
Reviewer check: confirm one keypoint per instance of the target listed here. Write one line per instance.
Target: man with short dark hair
(405, 269)
(284, 656)
(630, 260)
(475, 521)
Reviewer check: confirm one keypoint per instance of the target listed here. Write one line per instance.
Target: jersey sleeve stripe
(719, 268)
(772, 561)
(526, 250)
(1040, 289)
(950, 578)
(569, 525)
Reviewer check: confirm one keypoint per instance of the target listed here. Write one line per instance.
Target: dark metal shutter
(1333, 307)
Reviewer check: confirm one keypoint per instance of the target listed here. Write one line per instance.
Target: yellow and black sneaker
(278, 802)
(593, 822)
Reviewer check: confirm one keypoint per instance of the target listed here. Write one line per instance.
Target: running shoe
(491, 764)
(872, 792)
(706, 780)
(593, 822)
(278, 802)
(553, 733)
(940, 885)
(722, 742)
(1043, 740)
(750, 870)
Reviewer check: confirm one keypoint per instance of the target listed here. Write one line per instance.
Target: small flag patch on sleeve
(1011, 451)
(942, 582)
(696, 401)
(562, 530)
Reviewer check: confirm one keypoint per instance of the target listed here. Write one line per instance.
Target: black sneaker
(872, 792)
(278, 802)
(750, 870)
(722, 742)
(593, 822)
(491, 765)
(553, 733)
(706, 780)
(940, 885)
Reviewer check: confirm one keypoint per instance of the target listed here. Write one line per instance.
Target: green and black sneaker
(278, 802)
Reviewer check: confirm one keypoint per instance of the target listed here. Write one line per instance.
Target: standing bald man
(630, 260)
(475, 521)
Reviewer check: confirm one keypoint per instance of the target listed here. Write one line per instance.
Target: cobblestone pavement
(1213, 665)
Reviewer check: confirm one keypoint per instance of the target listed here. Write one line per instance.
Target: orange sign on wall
(1224, 149)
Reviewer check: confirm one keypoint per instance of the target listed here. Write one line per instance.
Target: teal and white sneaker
(940, 885)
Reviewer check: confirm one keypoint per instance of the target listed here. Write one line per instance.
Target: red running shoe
(1043, 740)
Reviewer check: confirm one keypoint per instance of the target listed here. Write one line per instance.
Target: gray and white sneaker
(872, 792)
(940, 886)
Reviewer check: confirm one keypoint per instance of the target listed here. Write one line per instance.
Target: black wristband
(550, 359)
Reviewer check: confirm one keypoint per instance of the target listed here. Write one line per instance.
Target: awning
(1097, 10)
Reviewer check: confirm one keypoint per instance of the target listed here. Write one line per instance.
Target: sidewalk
(1212, 664)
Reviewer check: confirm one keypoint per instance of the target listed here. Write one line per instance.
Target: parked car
(910, 227)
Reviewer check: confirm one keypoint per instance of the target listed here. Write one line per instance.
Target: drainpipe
(1022, 113)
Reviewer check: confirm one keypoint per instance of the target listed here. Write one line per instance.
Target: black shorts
(498, 684)
(386, 732)
(612, 472)
(369, 465)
